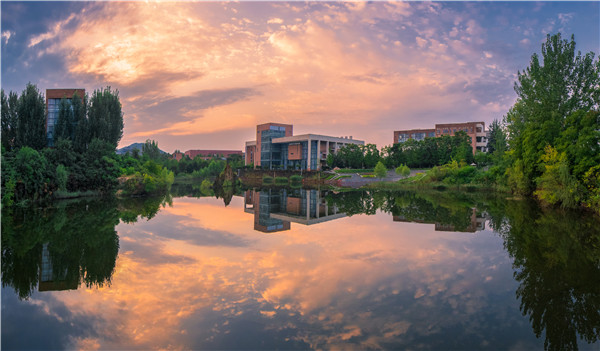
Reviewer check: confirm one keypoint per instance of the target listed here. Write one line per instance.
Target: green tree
(150, 150)
(9, 119)
(81, 133)
(380, 170)
(547, 93)
(105, 117)
(556, 185)
(403, 170)
(497, 139)
(31, 125)
(371, 155)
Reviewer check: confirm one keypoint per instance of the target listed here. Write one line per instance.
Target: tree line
(82, 159)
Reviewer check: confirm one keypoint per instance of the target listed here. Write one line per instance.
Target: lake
(300, 269)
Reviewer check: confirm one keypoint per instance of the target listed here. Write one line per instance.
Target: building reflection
(275, 209)
(55, 281)
(477, 223)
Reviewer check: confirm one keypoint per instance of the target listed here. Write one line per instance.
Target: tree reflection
(71, 243)
(557, 263)
(556, 253)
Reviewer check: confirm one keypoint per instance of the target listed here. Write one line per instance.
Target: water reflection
(194, 274)
(274, 209)
(72, 243)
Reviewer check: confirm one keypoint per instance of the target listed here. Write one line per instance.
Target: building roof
(305, 137)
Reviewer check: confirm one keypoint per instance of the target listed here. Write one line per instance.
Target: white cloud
(6, 35)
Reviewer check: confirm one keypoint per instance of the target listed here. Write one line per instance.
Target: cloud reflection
(337, 284)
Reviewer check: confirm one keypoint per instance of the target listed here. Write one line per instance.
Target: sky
(202, 75)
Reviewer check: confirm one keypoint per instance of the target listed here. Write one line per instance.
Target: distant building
(53, 97)
(177, 155)
(476, 130)
(250, 152)
(207, 154)
(277, 147)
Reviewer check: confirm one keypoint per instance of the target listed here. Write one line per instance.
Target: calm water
(296, 269)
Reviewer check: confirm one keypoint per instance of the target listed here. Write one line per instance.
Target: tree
(9, 119)
(31, 125)
(403, 170)
(380, 170)
(81, 133)
(105, 116)
(371, 155)
(547, 93)
(497, 139)
(150, 150)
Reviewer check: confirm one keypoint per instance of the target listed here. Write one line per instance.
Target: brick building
(475, 130)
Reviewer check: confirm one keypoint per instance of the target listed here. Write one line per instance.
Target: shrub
(61, 177)
(403, 170)
(296, 178)
(380, 170)
(281, 180)
(267, 180)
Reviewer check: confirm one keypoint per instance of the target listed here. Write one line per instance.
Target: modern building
(53, 97)
(475, 130)
(277, 147)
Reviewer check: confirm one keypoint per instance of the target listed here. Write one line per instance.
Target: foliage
(105, 116)
(380, 170)
(556, 185)
(281, 180)
(9, 119)
(31, 174)
(61, 177)
(547, 94)
(31, 124)
(429, 152)
(403, 170)
(150, 150)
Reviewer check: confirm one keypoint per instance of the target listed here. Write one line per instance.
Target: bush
(403, 170)
(267, 180)
(281, 180)
(296, 179)
(61, 177)
(380, 170)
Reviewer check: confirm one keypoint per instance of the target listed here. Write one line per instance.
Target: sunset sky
(202, 75)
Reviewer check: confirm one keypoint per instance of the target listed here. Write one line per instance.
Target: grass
(344, 176)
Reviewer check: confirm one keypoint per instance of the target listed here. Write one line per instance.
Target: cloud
(53, 33)
(188, 69)
(6, 35)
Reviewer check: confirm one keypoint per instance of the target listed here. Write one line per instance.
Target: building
(277, 147)
(53, 98)
(475, 130)
(206, 154)
(250, 151)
